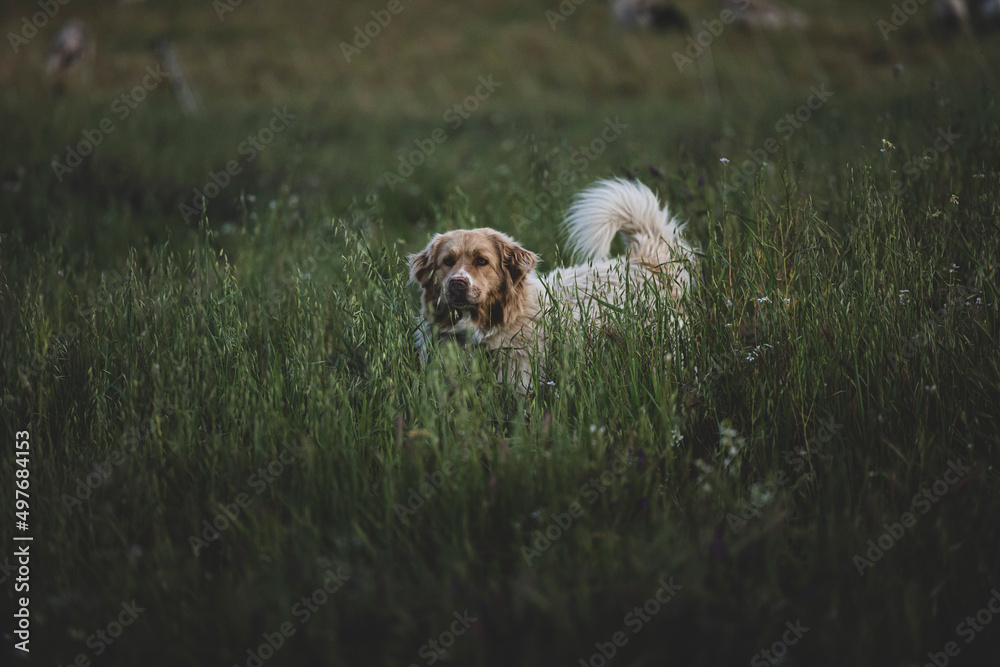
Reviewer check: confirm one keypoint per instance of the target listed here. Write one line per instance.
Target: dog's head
(475, 271)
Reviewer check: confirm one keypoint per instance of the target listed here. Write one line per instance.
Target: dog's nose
(458, 285)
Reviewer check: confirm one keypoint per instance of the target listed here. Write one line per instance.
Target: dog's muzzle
(457, 291)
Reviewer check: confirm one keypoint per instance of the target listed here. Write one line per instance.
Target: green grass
(839, 352)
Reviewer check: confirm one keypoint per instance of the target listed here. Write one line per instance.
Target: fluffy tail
(651, 235)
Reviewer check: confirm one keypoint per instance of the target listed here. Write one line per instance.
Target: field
(236, 457)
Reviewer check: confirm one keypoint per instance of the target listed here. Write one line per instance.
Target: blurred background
(361, 102)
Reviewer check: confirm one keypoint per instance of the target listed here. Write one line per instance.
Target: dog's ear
(517, 261)
(422, 264)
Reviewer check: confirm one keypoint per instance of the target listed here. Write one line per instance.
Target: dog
(480, 287)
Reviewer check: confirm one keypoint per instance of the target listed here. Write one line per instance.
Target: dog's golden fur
(479, 285)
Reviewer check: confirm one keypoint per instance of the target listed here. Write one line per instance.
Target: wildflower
(724, 160)
(759, 495)
(731, 443)
(705, 468)
(954, 199)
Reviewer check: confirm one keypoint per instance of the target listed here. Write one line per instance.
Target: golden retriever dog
(481, 288)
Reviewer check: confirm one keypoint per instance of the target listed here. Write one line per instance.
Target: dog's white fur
(501, 307)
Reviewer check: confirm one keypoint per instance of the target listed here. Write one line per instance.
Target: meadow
(237, 457)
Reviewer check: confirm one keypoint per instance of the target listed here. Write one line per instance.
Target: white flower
(759, 496)
(724, 160)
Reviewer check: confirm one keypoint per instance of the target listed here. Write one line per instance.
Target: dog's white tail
(613, 206)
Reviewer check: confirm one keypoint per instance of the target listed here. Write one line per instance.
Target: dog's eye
(482, 261)
(449, 261)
